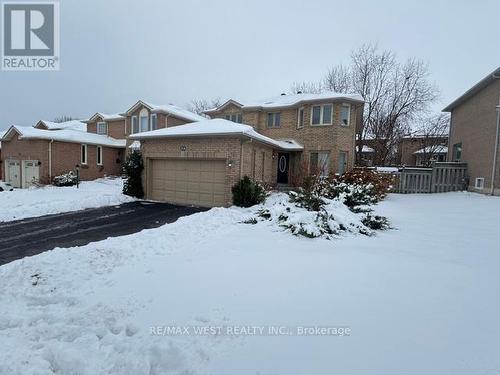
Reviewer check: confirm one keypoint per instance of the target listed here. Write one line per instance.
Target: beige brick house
(474, 133)
(36, 155)
(272, 141)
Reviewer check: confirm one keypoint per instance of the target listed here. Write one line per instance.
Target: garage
(188, 181)
(13, 173)
(31, 173)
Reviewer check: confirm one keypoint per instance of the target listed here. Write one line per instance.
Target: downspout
(495, 152)
(50, 161)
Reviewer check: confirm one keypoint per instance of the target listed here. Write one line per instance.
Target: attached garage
(192, 181)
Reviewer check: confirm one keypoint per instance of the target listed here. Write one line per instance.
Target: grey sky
(115, 52)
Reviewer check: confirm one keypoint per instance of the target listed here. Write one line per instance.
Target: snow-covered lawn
(420, 299)
(34, 202)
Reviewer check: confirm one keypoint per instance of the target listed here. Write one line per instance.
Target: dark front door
(283, 167)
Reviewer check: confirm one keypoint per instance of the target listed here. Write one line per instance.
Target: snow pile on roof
(365, 149)
(175, 111)
(215, 127)
(440, 149)
(48, 200)
(72, 124)
(295, 99)
(109, 117)
(136, 145)
(66, 135)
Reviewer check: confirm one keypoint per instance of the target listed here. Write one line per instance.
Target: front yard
(421, 298)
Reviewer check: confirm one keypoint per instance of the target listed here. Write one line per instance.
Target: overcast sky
(115, 52)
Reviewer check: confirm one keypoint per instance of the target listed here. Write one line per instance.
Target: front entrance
(31, 173)
(283, 168)
(13, 173)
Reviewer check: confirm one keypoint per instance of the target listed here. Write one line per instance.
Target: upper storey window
(235, 117)
(345, 115)
(102, 128)
(274, 120)
(321, 114)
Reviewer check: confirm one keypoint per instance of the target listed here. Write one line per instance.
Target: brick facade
(116, 128)
(238, 154)
(473, 124)
(408, 146)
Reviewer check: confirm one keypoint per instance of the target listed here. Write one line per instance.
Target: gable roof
(214, 128)
(105, 117)
(292, 100)
(169, 109)
(64, 135)
(474, 90)
(72, 124)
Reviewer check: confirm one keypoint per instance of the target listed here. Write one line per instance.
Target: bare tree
(306, 87)
(63, 118)
(432, 133)
(199, 106)
(395, 94)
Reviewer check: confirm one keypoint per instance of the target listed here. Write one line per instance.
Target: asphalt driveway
(31, 236)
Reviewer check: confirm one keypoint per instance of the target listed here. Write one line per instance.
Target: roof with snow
(292, 100)
(440, 149)
(105, 117)
(72, 124)
(64, 135)
(169, 109)
(214, 128)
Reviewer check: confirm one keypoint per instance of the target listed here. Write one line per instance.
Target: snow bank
(34, 202)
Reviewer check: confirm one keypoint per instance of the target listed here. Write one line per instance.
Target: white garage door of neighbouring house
(31, 173)
(190, 182)
(13, 173)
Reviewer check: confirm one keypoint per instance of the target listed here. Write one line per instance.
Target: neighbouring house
(33, 155)
(198, 163)
(366, 156)
(324, 124)
(421, 149)
(474, 133)
(112, 125)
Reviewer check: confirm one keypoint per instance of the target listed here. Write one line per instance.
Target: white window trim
(298, 118)
(84, 147)
(478, 185)
(132, 124)
(99, 150)
(273, 126)
(348, 114)
(105, 125)
(153, 115)
(147, 121)
(321, 114)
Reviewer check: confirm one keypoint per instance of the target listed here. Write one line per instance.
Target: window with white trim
(300, 118)
(479, 183)
(102, 128)
(154, 121)
(274, 120)
(135, 125)
(83, 154)
(322, 114)
(235, 117)
(345, 114)
(144, 123)
(99, 155)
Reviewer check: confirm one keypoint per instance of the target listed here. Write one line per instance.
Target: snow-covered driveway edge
(34, 202)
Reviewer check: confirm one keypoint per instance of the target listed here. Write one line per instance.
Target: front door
(342, 162)
(13, 175)
(31, 173)
(283, 168)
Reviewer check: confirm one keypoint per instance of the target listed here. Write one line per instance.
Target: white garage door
(31, 173)
(13, 173)
(191, 182)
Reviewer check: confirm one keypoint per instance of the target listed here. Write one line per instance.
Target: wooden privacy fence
(440, 178)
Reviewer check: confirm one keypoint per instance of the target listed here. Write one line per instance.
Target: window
(274, 120)
(135, 125)
(479, 183)
(345, 115)
(102, 128)
(84, 154)
(235, 117)
(300, 118)
(99, 155)
(457, 151)
(144, 124)
(320, 163)
(322, 114)
(154, 121)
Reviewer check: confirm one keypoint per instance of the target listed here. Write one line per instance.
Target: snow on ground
(420, 299)
(34, 202)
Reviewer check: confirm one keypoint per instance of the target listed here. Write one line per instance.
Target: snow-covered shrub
(133, 168)
(248, 193)
(67, 179)
(381, 183)
(376, 222)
